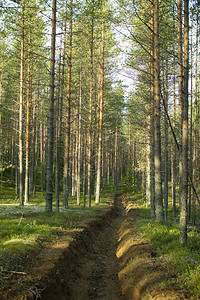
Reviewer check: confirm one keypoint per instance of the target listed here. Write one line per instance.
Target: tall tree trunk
(57, 148)
(21, 103)
(195, 153)
(116, 158)
(152, 150)
(134, 162)
(166, 145)
(148, 165)
(191, 137)
(66, 175)
(60, 115)
(26, 195)
(129, 146)
(99, 150)
(184, 189)
(1, 131)
(90, 114)
(79, 144)
(158, 182)
(42, 154)
(36, 154)
(174, 125)
(49, 188)
(31, 179)
(180, 90)
(84, 168)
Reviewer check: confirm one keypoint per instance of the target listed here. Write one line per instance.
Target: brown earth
(105, 260)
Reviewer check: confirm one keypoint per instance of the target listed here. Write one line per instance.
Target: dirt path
(98, 267)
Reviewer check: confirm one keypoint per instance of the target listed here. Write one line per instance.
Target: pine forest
(99, 149)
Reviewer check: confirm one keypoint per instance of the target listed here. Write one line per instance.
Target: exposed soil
(105, 259)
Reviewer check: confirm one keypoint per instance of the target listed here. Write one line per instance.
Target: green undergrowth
(184, 261)
(24, 230)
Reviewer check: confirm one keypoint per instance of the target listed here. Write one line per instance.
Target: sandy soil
(104, 260)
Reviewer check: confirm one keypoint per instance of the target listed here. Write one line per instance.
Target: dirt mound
(142, 275)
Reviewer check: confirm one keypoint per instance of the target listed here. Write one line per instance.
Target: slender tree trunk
(49, 188)
(79, 144)
(99, 151)
(195, 153)
(184, 189)
(90, 115)
(21, 103)
(116, 158)
(148, 159)
(33, 146)
(28, 117)
(12, 160)
(57, 148)
(66, 175)
(84, 168)
(158, 182)
(36, 156)
(1, 131)
(174, 125)
(129, 145)
(134, 162)
(191, 137)
(166, 146)
(180, 90)
(60, 117)
(152, 150)
(42, 154)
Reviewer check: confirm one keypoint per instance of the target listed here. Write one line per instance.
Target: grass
(23, 230)
(183, 260)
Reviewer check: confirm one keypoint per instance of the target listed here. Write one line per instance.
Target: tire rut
(104, 283)
(98, 267)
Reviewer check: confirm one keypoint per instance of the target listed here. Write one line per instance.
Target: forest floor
(106, 259)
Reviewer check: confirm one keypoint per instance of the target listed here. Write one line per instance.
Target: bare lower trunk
(21, 102)
(184, 189)
(66, 175)
(49, 187)
(180, 90)
(152, 125)
(99, 151)
(79, 145)
(195, 151)
(158, 182)
(166, 145)
(26, 195)
(174, 125)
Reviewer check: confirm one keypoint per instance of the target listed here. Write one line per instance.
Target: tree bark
(66, 175)
(180, 90)
(184, 189)
(195, 151)
(21, 103)
(60, 114)
(90, 114)
(79, 143)
(152, 144)
(28, 116)
(49, 187)
(158, 182)
(99, 151)
(174, 125)
(166, 144)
